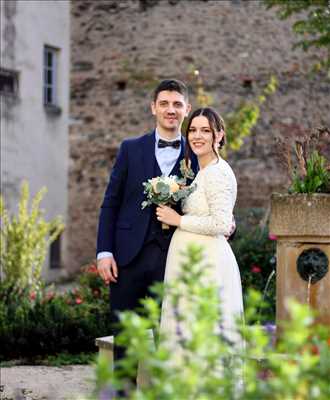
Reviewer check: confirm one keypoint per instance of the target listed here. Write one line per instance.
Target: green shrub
(298, 367)
(34, 321)
(316, 177)
(40, 322)
(255, 251)
(92, 285)
(25, 239)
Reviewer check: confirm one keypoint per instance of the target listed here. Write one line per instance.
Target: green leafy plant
(41, 322)
(255, 250)
(305, 157)
(297, 366)
(25, 239)
(57, 360)
(315, 178)
(34, 319)
(61, 359)
(313, 25)
(91, 285)
(239, 123)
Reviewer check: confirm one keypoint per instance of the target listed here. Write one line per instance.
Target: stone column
(301, 223)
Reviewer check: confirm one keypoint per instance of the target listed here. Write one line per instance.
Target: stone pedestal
(105, 345)
(301, 223)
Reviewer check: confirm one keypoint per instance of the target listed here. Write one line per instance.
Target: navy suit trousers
(135, 279)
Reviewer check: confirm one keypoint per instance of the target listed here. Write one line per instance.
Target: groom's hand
(108, 270)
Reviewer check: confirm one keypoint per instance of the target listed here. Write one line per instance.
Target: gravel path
(46, 383)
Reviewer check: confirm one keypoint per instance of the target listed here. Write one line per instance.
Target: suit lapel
(148, 155)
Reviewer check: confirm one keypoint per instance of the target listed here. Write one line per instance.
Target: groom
(131, 245)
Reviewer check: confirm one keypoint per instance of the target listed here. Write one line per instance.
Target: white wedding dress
(208, 214)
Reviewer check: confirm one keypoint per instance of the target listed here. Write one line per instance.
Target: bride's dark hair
(216, 124)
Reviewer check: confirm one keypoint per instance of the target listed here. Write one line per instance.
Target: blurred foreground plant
(25, 239)
(297, 367)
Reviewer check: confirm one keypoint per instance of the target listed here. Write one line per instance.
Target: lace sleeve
(219, 194)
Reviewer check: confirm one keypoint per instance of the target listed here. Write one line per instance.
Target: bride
(206, 220)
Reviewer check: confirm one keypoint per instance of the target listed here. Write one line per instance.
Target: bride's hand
(168, 215)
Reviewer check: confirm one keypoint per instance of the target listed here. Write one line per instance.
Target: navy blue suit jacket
(123, 224)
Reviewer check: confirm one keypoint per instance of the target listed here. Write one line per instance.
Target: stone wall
(121, 48)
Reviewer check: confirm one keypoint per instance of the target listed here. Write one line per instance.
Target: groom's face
(170, 109)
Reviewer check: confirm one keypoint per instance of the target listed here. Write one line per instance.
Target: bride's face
(201, 138)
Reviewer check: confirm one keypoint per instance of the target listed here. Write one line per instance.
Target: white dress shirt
(166, 157)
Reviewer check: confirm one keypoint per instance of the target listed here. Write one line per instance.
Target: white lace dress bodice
(209, 209)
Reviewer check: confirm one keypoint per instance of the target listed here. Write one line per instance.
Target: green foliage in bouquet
(25, 239)
(296, 367)
(165, 190)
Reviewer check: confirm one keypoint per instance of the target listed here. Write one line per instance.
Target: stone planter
(301, 223)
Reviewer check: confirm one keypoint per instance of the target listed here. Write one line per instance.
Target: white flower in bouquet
(171, 181)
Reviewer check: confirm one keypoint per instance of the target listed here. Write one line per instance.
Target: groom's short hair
(172, 85)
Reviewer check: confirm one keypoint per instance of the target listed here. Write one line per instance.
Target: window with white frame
(50, 94)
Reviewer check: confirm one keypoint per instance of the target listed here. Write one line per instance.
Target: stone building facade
(120, 49)
(34, 96)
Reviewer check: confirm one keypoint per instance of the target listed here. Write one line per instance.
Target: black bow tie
(163, 143)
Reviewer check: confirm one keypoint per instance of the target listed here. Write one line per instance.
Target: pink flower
(50, 295)
(79, 300)
(256, 269)
(33, 295)
(272, 237)
(92, 269)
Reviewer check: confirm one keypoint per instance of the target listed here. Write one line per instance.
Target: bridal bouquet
(168, 190)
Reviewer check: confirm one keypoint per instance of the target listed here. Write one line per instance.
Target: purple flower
(107, 393)
(270, 328)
